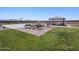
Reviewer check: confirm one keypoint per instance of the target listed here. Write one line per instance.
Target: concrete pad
(14, 26)
(1, 28)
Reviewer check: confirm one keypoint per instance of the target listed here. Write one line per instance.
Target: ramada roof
(56, 18)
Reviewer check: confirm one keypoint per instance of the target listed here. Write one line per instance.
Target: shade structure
(55, 20)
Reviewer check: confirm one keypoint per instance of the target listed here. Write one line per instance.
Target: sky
(39, 13)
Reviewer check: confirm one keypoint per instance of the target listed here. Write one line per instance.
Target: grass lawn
(55, 40)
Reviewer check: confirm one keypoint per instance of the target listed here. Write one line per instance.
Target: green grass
(58, 39)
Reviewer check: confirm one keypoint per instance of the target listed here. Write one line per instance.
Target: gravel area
(35, 31)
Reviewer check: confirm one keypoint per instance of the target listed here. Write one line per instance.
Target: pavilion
(57, 21)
